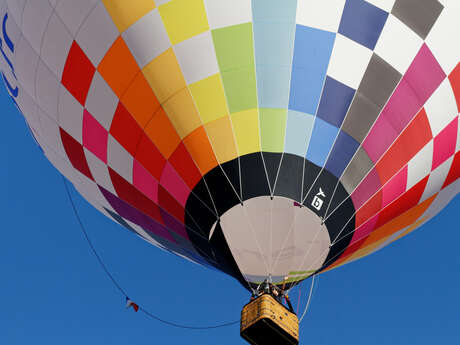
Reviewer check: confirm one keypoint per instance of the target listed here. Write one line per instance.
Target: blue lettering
(14, 92)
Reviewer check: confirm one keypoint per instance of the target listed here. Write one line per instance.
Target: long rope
(115, 283)
(309, 298)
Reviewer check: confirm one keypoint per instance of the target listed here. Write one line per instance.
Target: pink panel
(95, 137)
(366, 189)
(445, 143)
(422, 78)
(145, 182)
(171, 181)
(425, 74)
(365, 229)
(395, 187)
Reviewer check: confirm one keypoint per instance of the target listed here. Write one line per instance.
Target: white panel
(197, 57)
(120, 160)
(147, 38)
(70, 115)
(29, 110)
(99, 171)
(47, 90)
(324, 15)
(458, 137)
(398, 45)
(385, 5)
(97, 34)
(56, 45)
(441, 108)
(420, 166)
(14, 34)
(35, 19)
(101, 101)
(50, 134)
(16, 8)
(60, 163)
(227, 13)
(443, 37)
(436, 180)
(25, 66)
(73, 13)
(443, 198)
(349, 61)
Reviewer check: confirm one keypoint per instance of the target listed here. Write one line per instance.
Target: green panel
(240, 89)
(234, 47)
(273, 129)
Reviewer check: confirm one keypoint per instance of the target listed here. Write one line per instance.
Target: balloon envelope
(263, 138)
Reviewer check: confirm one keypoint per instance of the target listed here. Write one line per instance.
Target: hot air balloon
(271, 140)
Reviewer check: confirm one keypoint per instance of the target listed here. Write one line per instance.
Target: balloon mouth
(266, 214)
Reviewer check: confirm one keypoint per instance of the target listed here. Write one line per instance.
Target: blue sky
(54, 292)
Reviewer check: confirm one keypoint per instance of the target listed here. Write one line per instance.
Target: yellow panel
(164, 75)
(125, 13)
(182, 113)
(184, 19)
(209, 97)
(246, 128)
(220, 134)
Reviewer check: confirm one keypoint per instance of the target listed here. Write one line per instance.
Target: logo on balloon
(318, 200)
(13, 91)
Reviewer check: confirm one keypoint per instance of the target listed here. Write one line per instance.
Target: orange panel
(162, 133)
(200, 149)
(118, 58)
(454, 79)
(399, 223)
(140, 100)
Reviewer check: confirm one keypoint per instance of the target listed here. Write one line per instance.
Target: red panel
(370, 209)
(134, 197)
(125, 129)
(454, 78)
(76, 154)
(412, 140)
(444, 144)
(404, 203)
(454, 172)
(170, 205)
(185, 166)
(78, 73)
(150, 157)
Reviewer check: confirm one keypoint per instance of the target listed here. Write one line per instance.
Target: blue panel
(312, 51)
(362, 22)
(274, 30)
(274, 10)
(344, 149)
(298, 132)
(335, 101)
(273, 86)
(322, 139)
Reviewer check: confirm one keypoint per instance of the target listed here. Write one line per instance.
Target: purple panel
(172, 224)
(366, 189)
(362, 22)
(344, 149)
(335, 101)
(422, 78)
(132, 214)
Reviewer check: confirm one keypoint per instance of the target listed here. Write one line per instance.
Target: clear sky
(54, 293)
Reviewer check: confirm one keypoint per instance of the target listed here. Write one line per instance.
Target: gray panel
(360, 118)
(356, 170)
(379, 81)
(376, 88)
(419, 15)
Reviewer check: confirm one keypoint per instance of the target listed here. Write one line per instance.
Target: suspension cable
(118, 286)
(309, 298)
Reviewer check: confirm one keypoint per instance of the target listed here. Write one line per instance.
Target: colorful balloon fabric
(259, 137)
